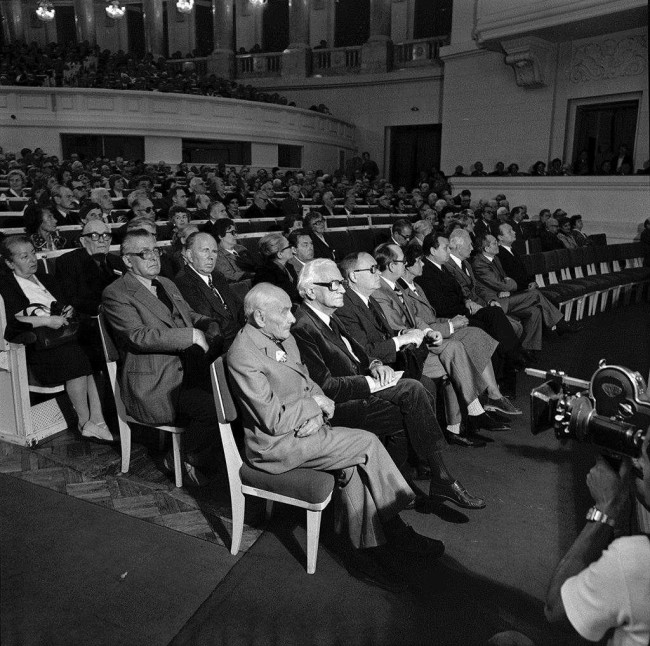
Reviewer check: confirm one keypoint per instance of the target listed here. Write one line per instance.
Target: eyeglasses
(96, 237)
(232, 232)
(373, 270)
(315, 222)
(402, 260)
(145, 254)
(334, 285)
(148, 209)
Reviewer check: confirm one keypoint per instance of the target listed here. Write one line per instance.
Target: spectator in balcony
(62, 205)
(41, 227)
(582, 165)
(369, 168)
(548, 236)
(315, 223)
(459, 172)
(538, 169)
(576, 231)
(623, 161)
(513, 170)
(564, 234)
(555, 168)
(605, 168)
(499, 170)
(478, 170)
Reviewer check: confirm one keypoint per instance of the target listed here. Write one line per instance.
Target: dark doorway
(204, 30)
(275, 26)
(412, 149)
(432, 18)
(91, 146)
(352, 25)
(601, 128)
(135, 29)
(66, 30)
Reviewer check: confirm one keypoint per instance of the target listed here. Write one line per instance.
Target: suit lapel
(210, 296)
(331, 336)
(142, 294)
(273, 352)
(404, 307)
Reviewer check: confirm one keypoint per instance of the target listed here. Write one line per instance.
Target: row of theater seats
(590, 276)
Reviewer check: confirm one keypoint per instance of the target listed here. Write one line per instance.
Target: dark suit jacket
(518, 229)
(360, 324)
(492, 276)
(471, 288)
(442, 290)
(515, 268)
(150, 339)
(254, 211)
(332, 367)
(204, 301)
(272, 273)
(549, 241)
(322, 250)
(82, 280)
(292, 207)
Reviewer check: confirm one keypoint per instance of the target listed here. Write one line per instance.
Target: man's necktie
(162, 295)
(215, 291)
(399, 294)
(379, 319)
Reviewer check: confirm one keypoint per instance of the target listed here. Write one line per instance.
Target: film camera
(612, 410)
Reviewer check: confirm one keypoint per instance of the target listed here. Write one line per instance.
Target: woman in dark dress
(66, 363)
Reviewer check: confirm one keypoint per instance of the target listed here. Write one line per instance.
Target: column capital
(529, 58)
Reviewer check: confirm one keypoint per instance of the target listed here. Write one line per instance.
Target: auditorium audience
(234, 262)
(276, 252)
(41, 227)
(314, 222)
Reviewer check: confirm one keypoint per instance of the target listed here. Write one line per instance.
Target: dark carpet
(74, 573)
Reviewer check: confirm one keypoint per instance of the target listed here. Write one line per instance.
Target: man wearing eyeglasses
(363, 388)
(84, 274)
(163, 345)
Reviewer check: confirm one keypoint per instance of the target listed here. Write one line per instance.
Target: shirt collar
(205, 279)
(458, 261)
(326, 318)
(503, 246)
(390, 283)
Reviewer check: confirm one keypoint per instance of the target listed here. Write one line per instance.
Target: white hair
(311, 272)
(259, 298)
(456, 238)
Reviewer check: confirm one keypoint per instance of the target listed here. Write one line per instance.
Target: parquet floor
(78, 467)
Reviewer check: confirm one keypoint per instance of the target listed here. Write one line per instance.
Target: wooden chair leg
(125, 443)
(238, 503)
(178, 464)
(313, 533)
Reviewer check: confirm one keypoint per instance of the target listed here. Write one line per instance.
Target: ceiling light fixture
(45, 11)
(185, 6)
(114, 10)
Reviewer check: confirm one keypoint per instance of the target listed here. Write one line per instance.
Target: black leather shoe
(463, 440)
(502, 405)
(486, 422)
(564, 327)
(456, 493)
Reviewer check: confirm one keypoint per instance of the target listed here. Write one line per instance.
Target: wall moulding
(608, 58)
(529, 58)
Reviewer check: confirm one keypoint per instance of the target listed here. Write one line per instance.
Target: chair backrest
(226, 413)
(4, 345)
(108, 345)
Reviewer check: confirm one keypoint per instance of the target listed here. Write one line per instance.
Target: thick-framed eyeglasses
(373, 270)
(148, 209)
(145, 254)
(402, 260)
(334, 285)
(96, 237)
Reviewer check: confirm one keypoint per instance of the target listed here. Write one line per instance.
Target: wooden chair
(305, 488)
(111, 355)
(20, 421)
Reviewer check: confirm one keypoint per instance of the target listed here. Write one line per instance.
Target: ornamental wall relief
(609, 58)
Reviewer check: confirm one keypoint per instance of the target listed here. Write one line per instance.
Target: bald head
(268, 308)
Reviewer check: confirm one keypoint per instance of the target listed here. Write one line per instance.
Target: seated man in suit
(207, 292)
(291, 205)
(164, 348)
(302, 248)
(452, 358)
(548, 235)
(356, 382)
(276, 252)
(496, 286)
(315, 223)
(234, 262)
(447, 298)
(84, 274)
(286, 425)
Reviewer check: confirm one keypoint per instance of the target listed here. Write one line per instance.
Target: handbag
(48, 338)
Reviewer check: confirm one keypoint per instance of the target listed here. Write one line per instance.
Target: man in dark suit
(63, 206)
(84, 274)
(291, 205)
(357, 383)
(164, 348)
(207, 292)
(446, 296)
(548, 236)
(259, 207)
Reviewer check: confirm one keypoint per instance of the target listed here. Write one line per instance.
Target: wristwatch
(596, 516)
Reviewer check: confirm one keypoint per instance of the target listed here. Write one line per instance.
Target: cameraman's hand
(610, 489)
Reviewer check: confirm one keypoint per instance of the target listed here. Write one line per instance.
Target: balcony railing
(338, 60)
(259, 64)
(417, 53)
(198, 65)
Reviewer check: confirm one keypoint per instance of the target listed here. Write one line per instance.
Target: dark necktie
(379, 318)
(215, 291)
(162, 295)
(399, 294)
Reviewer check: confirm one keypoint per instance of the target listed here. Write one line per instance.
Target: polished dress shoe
(502, 405)
(486, 422)
(463, 440)
(565, 327)
(456, 493)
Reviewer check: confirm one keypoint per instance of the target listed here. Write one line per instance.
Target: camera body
(612, 410)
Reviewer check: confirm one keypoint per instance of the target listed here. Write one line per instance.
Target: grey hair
(311, 272)
(457, 236)
(260, 297)
(422, 227)
(269, 245)
(96, 192)
(135, 196)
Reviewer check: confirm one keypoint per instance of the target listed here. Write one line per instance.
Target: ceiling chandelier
(258, 3)
(185, 6)
(114, 10)
(45, 11)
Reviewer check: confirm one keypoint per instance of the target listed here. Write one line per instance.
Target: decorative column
(375, 53)
(153, 27)
(222, 60)
(296, 60)
(14, 21)
(84, 15)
